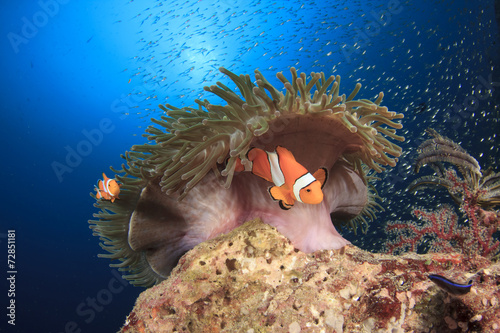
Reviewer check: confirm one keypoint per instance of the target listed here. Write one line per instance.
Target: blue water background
(70, 68)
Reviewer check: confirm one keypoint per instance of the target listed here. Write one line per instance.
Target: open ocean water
(80, 81)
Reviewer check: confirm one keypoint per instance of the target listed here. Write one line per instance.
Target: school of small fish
(435, 54)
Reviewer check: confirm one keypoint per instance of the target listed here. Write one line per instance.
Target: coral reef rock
(253, 280)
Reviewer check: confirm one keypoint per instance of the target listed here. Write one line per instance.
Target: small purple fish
(450, 286)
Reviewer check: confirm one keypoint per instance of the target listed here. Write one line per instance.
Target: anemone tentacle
(211, 125)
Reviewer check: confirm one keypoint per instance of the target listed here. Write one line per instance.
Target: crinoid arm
(489, 185)
(441, 149)
(482, 188)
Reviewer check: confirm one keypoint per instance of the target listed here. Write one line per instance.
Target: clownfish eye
(308, 190)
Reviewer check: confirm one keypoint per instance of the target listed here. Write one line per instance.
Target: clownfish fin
(321, 175)
(253, 152)
(284, 206)
(238, 166)
(278, 194)
(284, 154)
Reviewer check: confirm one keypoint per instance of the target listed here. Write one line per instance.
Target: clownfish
(108, 189)
(292, 181)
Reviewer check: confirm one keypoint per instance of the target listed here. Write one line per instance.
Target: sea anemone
(181, 189)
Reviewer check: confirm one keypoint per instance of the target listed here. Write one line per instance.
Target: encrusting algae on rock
(182, 189)
(254, 280)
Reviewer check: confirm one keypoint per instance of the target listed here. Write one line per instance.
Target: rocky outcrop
(253, 280)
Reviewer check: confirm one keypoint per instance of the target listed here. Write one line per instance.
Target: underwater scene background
(81, 80)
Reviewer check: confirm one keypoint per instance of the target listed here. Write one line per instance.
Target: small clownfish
(292, 181)
(108, 189)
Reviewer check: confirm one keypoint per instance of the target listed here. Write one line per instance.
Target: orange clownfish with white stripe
(108, 189)
(292, 181)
